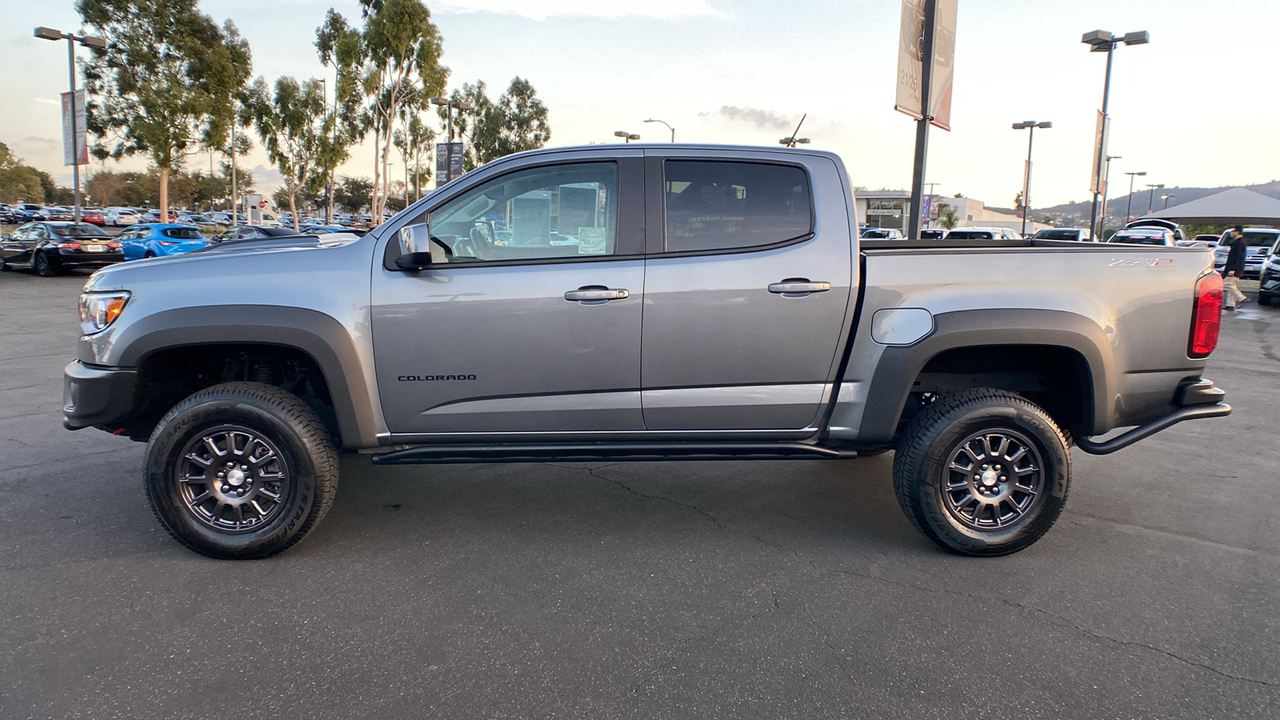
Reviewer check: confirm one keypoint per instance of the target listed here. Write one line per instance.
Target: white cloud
(543, 9)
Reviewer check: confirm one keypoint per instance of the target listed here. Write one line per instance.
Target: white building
(889, 209)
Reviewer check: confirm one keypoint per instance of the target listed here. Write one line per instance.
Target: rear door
(747, 291)
(528, 318)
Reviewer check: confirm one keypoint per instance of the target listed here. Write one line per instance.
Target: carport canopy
(1236, 205)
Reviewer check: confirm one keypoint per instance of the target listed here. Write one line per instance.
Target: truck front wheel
(241, 470)
(982, 472)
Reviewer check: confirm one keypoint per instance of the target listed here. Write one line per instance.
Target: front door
(747, 292)
(528, 318)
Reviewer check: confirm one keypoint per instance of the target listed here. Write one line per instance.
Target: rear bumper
(96, 395)
(1195, 401)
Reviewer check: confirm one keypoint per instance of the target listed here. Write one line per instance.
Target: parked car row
(962, 233)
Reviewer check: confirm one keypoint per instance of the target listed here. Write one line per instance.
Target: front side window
(556, 211)
(716, 205)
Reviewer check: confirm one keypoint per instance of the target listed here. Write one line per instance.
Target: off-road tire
(288, 429)
(922, 470)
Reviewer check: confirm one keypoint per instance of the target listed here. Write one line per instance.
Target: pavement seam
(1063, 622)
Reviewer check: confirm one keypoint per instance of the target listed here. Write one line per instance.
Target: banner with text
(80, 153)
(910, 66)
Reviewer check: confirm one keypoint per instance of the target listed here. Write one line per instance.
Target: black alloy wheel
(43, 265)
(982, 472)
(241, 470)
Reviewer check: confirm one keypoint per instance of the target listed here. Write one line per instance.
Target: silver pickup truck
(640, 303)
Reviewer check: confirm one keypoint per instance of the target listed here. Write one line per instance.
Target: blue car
(160, 239)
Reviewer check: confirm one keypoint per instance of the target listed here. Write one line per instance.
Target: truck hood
(302, 253)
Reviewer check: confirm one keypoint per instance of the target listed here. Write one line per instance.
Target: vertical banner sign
(1096, 183)
(446, 171)
(74, 152)
(1026, 183)
(929, 209)
(910, 50)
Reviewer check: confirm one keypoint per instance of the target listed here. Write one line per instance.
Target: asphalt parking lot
(646, 590)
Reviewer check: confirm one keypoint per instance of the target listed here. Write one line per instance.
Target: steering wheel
(480, 241)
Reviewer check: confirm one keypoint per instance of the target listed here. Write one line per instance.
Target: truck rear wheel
(982, 472)
(241, 470)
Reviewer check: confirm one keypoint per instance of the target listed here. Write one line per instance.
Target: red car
(93, 216)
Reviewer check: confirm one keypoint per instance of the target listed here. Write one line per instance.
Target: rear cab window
(721, 205)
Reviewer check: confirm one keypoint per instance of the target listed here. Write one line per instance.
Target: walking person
(1234, 268)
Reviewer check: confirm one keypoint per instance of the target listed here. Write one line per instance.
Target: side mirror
(415, 247)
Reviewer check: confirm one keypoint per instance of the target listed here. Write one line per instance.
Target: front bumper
(94, 395)
(1194, 401)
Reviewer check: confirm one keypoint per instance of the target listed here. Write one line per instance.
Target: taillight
(1206, 316)
(68, 245)
(113, 245)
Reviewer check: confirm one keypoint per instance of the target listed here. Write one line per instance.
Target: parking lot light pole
(1128, 211)
(1165, 198)
(626, 136)
(1103, 41)
(449, 106)
(1030, 126)
(673, 130)
(47, 33)
(1151, 195)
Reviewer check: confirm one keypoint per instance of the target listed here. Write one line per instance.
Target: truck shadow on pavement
(792, 505)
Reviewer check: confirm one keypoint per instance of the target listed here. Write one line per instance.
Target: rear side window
(1057, 235)
(715, 205)
(182, 233)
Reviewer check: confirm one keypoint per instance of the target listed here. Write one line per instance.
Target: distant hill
(1078, 213)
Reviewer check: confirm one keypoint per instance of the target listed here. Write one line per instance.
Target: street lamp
(1030, 126)
(450, 106)
(1151, 195)
(1165, 198)
(1128, 210)
(1103, 41)
(673, 130)
(626, 136)
(793, 141)
(47, 33)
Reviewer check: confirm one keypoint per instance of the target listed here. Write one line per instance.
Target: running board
(638, 452)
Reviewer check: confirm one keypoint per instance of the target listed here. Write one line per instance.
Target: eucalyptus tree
(163, 86)
(291, 121)
(341, 46)
(515, 123)
(414, 139)
(402, 49)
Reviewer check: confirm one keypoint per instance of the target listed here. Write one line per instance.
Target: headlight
(98, 310)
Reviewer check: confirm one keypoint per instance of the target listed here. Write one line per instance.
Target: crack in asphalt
(1058, 620)
(1063, 622)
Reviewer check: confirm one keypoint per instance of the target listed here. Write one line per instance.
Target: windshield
(183, 233)
(970, 235)
(80, 230)
(1138, 238)
(1057, 235)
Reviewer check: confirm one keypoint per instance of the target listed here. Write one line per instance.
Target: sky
(1195, 107)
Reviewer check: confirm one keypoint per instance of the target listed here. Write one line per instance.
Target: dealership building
(888, 209)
